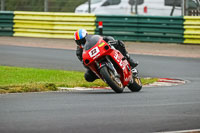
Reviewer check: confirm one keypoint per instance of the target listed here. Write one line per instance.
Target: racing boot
(133, 64)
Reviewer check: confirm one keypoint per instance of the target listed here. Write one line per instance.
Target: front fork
(109, 64)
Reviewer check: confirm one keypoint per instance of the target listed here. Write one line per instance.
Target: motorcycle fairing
(97, 53)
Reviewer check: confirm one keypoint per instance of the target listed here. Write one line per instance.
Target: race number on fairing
(94, 52)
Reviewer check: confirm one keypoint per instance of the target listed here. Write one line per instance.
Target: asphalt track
(153, 109)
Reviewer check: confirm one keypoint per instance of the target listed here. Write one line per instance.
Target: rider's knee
(89, 77)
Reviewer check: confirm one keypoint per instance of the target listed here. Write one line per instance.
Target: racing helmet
(79, 37)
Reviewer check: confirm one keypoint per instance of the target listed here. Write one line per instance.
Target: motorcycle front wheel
(113, 81)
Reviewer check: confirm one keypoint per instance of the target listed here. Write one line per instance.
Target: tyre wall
(6, 23)
(143, 28)
(128, 28)
(51, 25)
(192, 29)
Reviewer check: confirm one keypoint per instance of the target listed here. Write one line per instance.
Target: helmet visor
(81, 42)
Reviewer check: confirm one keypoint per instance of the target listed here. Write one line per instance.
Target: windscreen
(173, 2)
(95, 1)
(91, 42)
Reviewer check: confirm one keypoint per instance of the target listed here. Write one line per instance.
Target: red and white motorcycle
(110, 65)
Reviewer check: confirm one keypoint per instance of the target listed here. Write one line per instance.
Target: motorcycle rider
(81, 37)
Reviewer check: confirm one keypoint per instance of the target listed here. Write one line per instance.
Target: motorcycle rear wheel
(136, 86)
(113, 81)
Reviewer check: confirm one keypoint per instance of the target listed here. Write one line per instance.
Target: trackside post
(100, 26)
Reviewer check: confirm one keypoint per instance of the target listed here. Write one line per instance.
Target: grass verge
(17, 79)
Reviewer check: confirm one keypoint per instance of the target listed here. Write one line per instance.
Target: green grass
(17, 79)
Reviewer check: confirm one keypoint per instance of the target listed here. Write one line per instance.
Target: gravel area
(163, 49)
